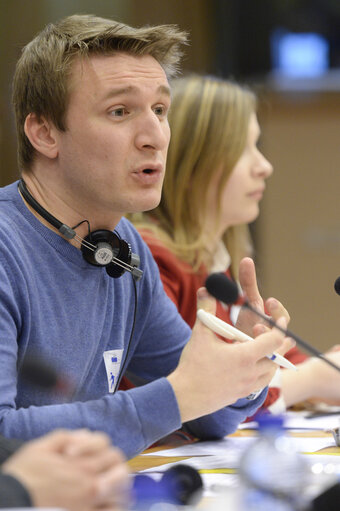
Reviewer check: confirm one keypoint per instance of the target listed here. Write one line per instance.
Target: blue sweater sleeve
(225, 421)
(133, 419)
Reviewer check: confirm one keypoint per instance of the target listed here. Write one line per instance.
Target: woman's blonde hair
(209, 121)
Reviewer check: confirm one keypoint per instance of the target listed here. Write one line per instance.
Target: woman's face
(245, 187)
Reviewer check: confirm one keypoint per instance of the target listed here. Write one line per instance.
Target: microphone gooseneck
(225, 290)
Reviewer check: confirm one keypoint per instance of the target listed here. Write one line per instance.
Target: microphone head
(179, 485)
(185, 482)
(222, 288)
(337, 286)
(39, 373)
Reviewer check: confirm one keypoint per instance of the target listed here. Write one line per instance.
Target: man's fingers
(268, 342)
(114, 477)
(55, 441)
(287, 345)
(260, 329)
(247, 278)
(288, 342)
(85, 443)
(101, 462)
(206, 301)
(276, 310)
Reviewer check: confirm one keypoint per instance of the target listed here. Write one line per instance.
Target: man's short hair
(40, 82)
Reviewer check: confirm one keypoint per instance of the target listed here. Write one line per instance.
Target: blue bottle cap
(267, 420)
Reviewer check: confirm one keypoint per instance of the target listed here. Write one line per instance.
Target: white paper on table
(229, 458)
(324, 422)
(229, 445)
(232, 447)
(300, 420)
(202, 463)
(311, 444)
(216, 483)
(324, 459)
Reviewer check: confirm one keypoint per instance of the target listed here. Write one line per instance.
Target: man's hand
(212, 374)
(247, 319)
(76, 470)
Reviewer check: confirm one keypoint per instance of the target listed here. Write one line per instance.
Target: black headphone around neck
(99, 248)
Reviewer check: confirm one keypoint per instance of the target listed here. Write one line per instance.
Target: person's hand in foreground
(77, 470)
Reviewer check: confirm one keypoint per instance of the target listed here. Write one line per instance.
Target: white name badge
(113, 360)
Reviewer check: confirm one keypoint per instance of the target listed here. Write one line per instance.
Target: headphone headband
(99, 248)
(64, 229)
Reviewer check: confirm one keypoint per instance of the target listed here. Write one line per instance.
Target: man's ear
(41, 134)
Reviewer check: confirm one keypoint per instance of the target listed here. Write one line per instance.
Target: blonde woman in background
(214, 182)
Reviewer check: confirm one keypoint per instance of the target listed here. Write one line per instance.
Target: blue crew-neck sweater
(55, 305)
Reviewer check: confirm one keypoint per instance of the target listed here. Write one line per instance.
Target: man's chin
(146, 206)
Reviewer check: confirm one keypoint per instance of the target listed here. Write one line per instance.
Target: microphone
(337, 286)
(226, 291)
(179, 485)
(40, 373)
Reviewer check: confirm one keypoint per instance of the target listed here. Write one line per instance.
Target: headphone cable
(121, 374)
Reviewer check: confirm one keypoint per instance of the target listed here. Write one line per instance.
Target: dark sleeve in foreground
(12, 493)
(7, 447)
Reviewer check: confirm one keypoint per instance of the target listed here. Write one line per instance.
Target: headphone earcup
(124, 255)
(101, 246)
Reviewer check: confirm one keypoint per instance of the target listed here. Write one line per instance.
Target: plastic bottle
(273, 475)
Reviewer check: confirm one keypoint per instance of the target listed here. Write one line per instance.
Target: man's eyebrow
(164, 89)
(131, 89)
